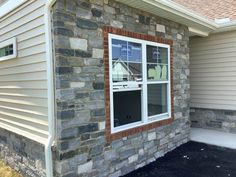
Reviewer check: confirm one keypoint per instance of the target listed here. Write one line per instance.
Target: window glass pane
(134, 52)
(126, 61)
(120, 71)
(135, 71)
(119, 50)
(5, 51)
(2, 52)
(157, 63)
(163, 59)
(157, 99)
(126, 71)
(127, 107)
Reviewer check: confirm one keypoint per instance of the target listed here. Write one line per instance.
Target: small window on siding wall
(8, 49)
(140, 82)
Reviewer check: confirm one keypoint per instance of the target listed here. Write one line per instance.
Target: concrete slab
(213, 137)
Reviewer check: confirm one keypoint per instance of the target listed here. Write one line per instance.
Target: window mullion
(111, 86)
(169, 84)
(144, 63)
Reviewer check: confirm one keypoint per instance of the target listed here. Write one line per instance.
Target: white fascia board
(9, 6)
(198, 32)
(226, 27)
(181, 11)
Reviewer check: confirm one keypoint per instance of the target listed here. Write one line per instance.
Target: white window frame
(144, 119)
(3, 44)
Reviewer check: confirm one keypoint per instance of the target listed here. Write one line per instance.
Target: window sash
(144, 83)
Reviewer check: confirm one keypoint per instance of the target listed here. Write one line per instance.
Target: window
(8, 49)
(139, 73)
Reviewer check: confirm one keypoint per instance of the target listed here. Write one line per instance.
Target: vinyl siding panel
(23, 80)
(213, 71)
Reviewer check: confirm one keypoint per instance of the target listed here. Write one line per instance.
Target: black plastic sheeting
(192, 160)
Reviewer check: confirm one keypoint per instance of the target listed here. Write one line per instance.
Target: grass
(6, 171)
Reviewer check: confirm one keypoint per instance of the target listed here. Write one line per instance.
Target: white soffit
(175, 12)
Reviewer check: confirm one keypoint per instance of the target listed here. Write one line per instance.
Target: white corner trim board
(9, 6)
(49, 56)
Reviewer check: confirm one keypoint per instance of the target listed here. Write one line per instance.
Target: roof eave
(174, 12)
(225, 27)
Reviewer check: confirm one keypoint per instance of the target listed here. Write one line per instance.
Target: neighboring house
(62, 113)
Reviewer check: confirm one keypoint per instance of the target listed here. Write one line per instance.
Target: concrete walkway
(213, 137)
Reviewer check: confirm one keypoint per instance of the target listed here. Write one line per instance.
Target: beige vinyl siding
(213, 71)
(23, 80)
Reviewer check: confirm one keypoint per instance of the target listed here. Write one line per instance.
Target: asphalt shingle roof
(212, 9)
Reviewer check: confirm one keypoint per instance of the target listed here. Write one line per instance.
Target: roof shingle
(212, 9)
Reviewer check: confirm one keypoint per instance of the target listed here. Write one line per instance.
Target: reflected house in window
(123, 71)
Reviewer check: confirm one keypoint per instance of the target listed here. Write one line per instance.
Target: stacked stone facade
(220, 120)
(81, 147)
(22, 154)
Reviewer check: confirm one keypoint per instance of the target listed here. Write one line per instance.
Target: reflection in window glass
(119, 50)
(134, 52)
(157, 99)
(120, 71)
(136, 71)
(124, 71)
(157, 63)
(5, 51)
(163, 55)
(126, 61)
(153, 54)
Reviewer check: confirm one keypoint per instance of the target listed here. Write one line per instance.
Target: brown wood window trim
(113, 136)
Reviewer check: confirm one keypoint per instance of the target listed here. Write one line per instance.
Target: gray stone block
(86, 24)
(69, 133)
(98, 112)
(66, 114)
(96, 12)
(127, 152)
(63, 31)
(78, 43)
(87, 128)
(96, 150)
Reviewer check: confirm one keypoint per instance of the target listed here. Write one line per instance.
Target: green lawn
(6, 171)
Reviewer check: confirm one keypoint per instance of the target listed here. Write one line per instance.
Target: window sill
(138, 129)
(151, 120)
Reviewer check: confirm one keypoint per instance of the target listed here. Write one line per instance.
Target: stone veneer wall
(22, 154)
(222, 120)
(81, 148)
